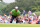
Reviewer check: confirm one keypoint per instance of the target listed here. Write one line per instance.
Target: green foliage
(2, 6)
(33, 5)
(37, 13)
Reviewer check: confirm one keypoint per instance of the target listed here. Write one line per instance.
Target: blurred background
(7, 5)
(29, 11)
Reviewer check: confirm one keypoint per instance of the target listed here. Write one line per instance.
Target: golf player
(15, 13)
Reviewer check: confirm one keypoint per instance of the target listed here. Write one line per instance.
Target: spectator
(1, 21)
(4, 16)
(38, 22)
(14, 21)
(35, 19)
(34, 22)
(23, 12)
(20, 20)
(29, 13)
(6, 20)
(26, 21)
(9, 18)
(39, 17)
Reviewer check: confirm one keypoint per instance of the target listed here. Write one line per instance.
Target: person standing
(23, 12)
(29, 13)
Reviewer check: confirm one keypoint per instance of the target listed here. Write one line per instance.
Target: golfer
(15, 13)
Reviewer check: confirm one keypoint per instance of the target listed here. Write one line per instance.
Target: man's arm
(17, 16)
(12, 11)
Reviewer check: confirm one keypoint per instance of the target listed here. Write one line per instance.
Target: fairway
(19, 25)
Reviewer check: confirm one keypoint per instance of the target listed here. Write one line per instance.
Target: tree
(22, 4)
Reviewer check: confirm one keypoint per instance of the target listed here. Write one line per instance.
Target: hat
(16, 7)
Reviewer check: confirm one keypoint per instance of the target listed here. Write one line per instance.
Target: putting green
(18, 25)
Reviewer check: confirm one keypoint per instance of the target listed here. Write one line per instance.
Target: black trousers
(13, 17)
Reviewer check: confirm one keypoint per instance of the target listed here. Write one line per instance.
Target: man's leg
(12, 19)
(17, 20)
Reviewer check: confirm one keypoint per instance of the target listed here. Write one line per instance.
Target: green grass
(19, 25)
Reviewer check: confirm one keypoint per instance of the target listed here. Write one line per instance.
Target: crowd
(24, 19)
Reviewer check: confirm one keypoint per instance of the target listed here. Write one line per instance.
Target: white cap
(16, 7)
